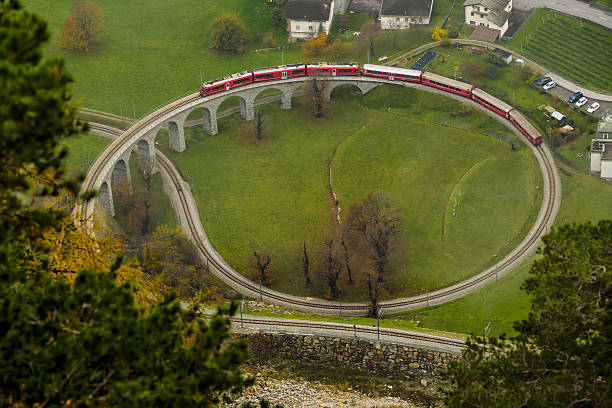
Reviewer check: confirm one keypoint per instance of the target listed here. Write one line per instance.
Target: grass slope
(83, 151)
(585, 198)
(273, 194)
(569, 47)
(153, 51)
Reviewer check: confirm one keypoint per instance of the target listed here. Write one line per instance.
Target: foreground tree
(375, 221)
(83, 29)
(228, 33)
(561, 357)
(85, 343)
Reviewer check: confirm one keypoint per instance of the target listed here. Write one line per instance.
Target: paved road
(572, 7)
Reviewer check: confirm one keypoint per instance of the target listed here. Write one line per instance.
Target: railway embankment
(374, 357)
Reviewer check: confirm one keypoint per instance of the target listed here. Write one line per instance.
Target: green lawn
(568, 47)
(273, 194)
(154, 51)
(83, 151)
(585, 198)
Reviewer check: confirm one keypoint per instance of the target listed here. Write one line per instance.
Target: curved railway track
(192, 224)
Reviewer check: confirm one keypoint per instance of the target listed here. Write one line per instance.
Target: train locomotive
(335, 69)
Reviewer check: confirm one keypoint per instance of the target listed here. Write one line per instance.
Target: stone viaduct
(144, 144)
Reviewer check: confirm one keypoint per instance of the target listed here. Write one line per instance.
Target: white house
(488, 13)
(307, 18)
(400, 14)
(601, 149)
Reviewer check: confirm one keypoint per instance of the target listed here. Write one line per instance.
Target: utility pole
(496, 265)
(455, 72)
(380, 314)
(241, 306)
(122, 120)
(134, 108)
(427, 297)
(282, 58)
(368, 56)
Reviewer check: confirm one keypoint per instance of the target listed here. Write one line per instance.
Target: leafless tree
(258, 124)
(347, 263)
(316, 90)
(377, 221)
(330, 267)
(368, 33)
(306, 266)
(262, 261)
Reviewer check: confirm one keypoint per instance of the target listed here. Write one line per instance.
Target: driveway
(599, 15)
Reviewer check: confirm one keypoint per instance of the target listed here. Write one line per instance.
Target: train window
(218, 87)
(241, 80)
(265, 76)
(298, 71)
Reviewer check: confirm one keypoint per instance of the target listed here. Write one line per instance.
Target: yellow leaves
(439, 34)
(313, 47)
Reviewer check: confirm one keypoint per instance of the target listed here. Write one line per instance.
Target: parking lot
(564, 94)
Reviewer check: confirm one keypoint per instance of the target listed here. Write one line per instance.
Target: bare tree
(262, 261)
(377, 221)
(347, 264)
(306, 266)
(258, 124)
(316, 90)
(330, 268)
(368, 33)
(373, 292)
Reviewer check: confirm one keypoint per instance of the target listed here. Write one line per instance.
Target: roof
(485, 34)
(604, 126)
(385, 68)
(406, 8)
(312, 10)
(498, 19)
(490, 98)
(524, 123)
(497, 6)
(558, 115)
(501, 53)
(447, 81)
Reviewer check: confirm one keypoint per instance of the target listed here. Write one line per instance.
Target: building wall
(302, 29)
(479, 17)
(595, 162)
(606, 169)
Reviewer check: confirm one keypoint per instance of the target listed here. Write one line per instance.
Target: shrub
(491, 71)
(228, 33)
(269, 40)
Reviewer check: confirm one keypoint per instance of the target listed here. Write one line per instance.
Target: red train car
(447, 84)
(332, 69)
(526, 128)
(280, 72)
(498, 106)
(392, 73)
(227, 83)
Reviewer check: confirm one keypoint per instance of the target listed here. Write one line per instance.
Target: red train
(334, 69)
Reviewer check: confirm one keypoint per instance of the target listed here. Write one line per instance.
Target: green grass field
(154, 52)
(568, 47)
(273, 194)
(83, 151)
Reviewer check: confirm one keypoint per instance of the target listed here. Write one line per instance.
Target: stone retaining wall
(384, 358)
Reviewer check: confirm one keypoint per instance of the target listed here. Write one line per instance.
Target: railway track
(219, 267)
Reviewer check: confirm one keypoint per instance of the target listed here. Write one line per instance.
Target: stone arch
(337, 86)
(144, 154)
(121, 173)
(106, 198)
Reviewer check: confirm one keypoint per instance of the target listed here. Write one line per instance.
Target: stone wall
(384, 358)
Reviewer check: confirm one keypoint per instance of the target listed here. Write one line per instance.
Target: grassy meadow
(273, 195)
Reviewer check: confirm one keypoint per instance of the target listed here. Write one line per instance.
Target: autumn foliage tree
(83, 29)
(439, 34)
(322, 46)
(228, 33)
(82, 341)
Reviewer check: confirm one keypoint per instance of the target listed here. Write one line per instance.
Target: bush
(228, 33)
(491, 71)
(269, 40)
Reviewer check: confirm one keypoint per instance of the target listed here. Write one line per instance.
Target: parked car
(543, 81)
(575, 96)
(581, 102)
(594, 106)
(549, 85)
